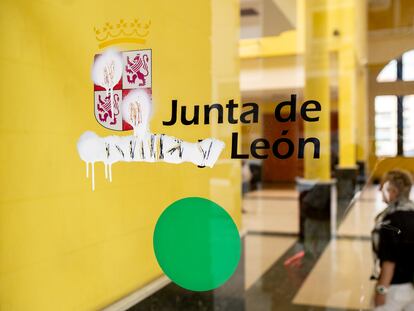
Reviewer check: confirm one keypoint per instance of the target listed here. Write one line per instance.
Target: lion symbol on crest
(137, 69)
(105, 111)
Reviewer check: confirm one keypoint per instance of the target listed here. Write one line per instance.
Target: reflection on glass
(386, 125)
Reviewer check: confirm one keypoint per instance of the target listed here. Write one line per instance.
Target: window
(386, 125)
(408, 125)
(394, 115)
(408, 66)
(389, 72)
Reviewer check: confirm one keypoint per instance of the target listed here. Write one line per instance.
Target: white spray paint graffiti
(142, 146)
(107, 71)
(146, 148)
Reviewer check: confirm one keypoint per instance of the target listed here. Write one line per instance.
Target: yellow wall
(62, 246)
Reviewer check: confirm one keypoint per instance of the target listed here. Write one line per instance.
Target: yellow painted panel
(62, 246)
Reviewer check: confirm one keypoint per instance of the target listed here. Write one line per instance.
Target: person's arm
(387, 272)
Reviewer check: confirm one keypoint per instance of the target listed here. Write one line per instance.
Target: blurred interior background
(305, 224)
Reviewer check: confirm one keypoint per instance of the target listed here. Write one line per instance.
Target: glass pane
(388, 73)
(408, 115)
(408, 66)
(386, 125)
(239, 148)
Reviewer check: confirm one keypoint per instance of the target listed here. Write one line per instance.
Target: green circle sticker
(197, 244)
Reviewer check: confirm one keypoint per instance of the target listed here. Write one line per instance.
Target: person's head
(396, 184)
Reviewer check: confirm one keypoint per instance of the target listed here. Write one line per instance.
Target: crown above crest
(134, 31)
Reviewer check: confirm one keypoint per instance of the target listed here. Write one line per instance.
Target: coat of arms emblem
(123, 72)
(123, 102)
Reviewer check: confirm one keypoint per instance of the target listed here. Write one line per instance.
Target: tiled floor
(359, 220)
(273, 194)
(261, 252)
(341, 277)
(276, 211)
(338, 279)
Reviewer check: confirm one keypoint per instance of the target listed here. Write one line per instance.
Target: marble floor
(359, 219)
(340, 278)
(271, 214)
(261, 252)
(337, 280)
